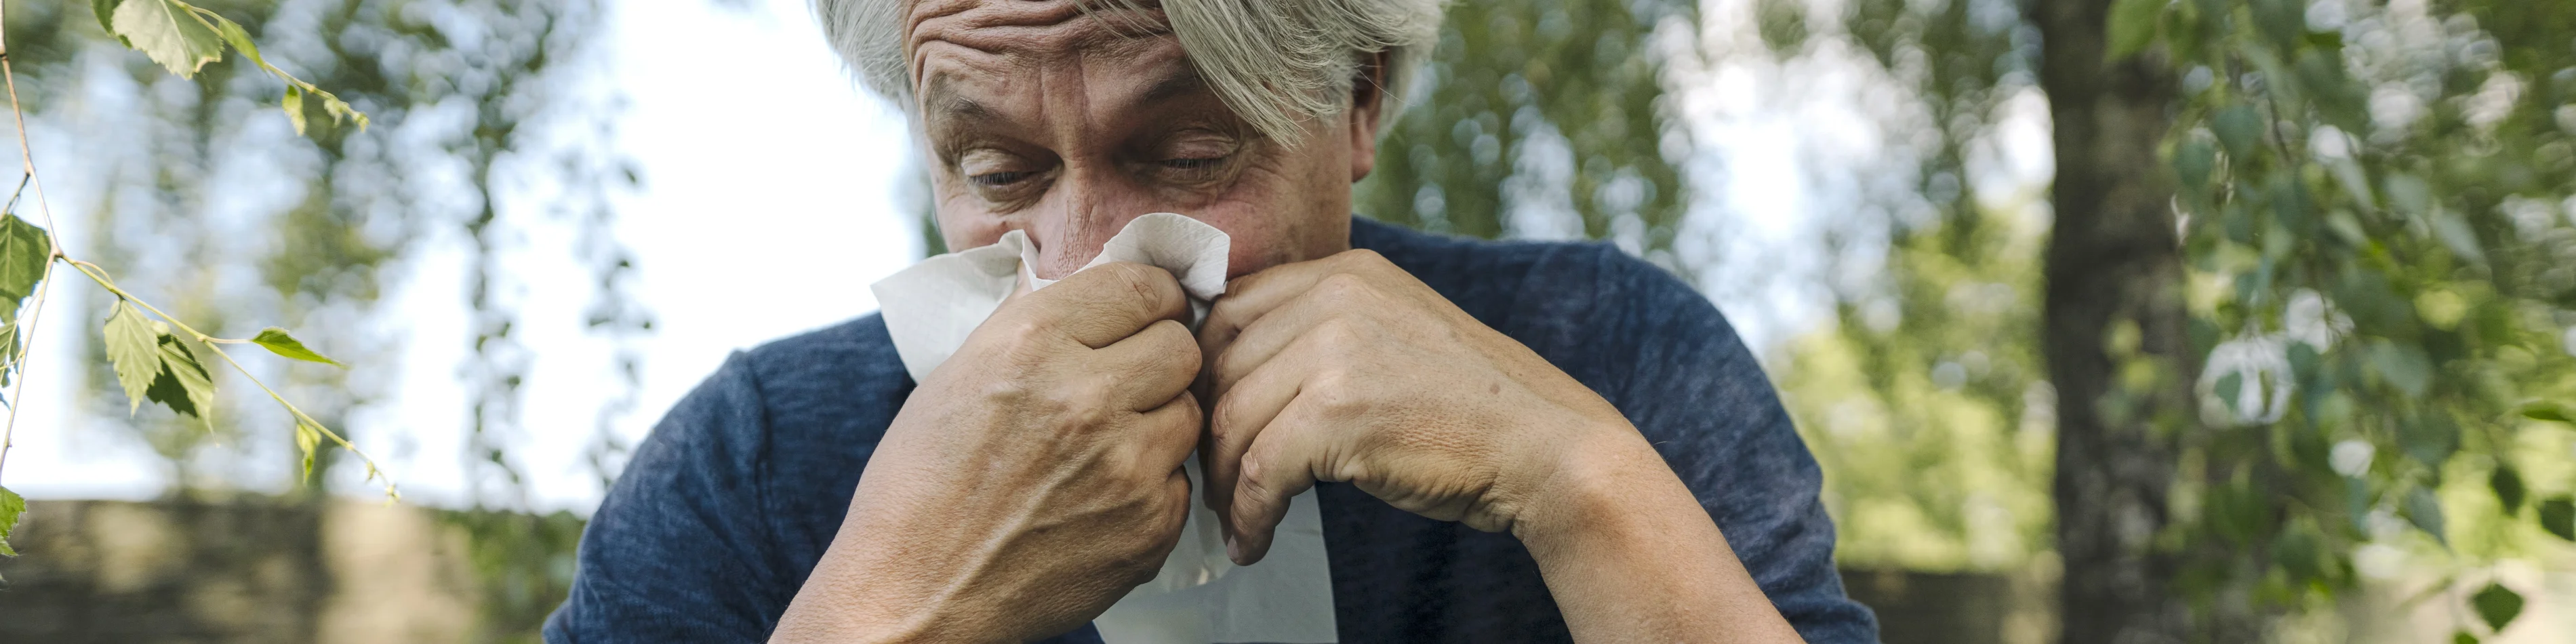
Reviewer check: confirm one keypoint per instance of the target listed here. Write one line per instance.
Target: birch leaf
(278, 342)
(168, 31)
(134, 350)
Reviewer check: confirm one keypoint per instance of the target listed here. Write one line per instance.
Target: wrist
(1596, 489)
(861, 591)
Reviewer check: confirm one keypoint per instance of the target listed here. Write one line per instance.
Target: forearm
(858, 592)
(1630, 555)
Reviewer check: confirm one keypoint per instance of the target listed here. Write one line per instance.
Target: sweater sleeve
(672, 554)
(1685, 380)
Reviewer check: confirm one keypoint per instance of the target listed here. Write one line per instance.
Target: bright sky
(769, 205)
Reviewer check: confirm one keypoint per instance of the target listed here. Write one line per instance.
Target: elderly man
(1507, 441)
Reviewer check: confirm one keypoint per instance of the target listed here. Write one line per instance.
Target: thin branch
(45, 283)
(99, 275)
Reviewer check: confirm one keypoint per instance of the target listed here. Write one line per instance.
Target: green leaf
(2132, 27)
(104, 9)
(2238, 128)
(183, 384)
(278, 342)
(12, 506)
(24, 250)
(2425, 512)
(2549, 411)
(2455, 234)
(2193, 162)
(2558, 516)
(294, 106)
(2279, 20)
(170, 32)
(307, 440)
(2509, 489)
(2464, 637)
(232, 33)
(8, 353)
(2406, 367)
(2497, 605)
(134, 350)
(2430, 437)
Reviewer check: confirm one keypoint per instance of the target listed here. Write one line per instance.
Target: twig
(99, 275)
(44, 284)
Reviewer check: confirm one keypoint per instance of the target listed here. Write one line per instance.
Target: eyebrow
(1185, 81)
(943, 102)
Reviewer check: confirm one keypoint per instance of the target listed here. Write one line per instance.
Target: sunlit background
(1862, 186)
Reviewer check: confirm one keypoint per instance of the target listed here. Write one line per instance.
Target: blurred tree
(2223, 218)
(2373, 206)
(2113, 331)
(1926, 400)
(2307, 293)
(1541, 119)
(213, 200)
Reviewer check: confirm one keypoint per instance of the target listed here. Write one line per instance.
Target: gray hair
(1275, 62)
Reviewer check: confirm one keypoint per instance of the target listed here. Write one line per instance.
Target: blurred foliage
(1933, 424)
(1541, 119)
(525, 565)
(2376, 211)
(2375, 199)
(211, 199)
(1926, 400)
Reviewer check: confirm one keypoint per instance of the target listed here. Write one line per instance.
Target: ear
(1368, 102)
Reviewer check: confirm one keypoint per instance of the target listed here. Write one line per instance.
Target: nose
(1087, 205)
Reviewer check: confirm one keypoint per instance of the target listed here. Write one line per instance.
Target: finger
(1278, 465)
(1168, 433)
(1148, 368)
(1176, 511)
(1241, 416)
(1324, 311)
(1248, 297)
(1106, 303)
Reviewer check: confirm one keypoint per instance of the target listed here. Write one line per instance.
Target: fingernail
(1233, 551)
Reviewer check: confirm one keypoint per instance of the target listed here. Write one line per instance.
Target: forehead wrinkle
(1013, 29)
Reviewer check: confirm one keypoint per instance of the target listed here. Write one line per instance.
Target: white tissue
(1200, 597)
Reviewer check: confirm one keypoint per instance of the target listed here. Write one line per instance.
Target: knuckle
(1344, 288)
(1361, 256)
(1220, 425)
(1081, 405)
(1249, 490)
(1336, 392)
(1227, 364)
(1176, 339)
(1336, 331)
(1188, 404)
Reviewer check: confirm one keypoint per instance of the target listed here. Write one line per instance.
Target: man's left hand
(1349, 369)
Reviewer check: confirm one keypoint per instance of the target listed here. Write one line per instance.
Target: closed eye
(999, 179)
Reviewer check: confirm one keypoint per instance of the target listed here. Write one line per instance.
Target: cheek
(964, 221)
(1267, 237)
(1293, 208)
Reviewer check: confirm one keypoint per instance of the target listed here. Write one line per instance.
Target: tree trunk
(2113, 261)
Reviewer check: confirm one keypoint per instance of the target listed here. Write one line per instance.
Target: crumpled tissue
(1200, 597)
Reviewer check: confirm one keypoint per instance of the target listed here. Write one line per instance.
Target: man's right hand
(1029, 482)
